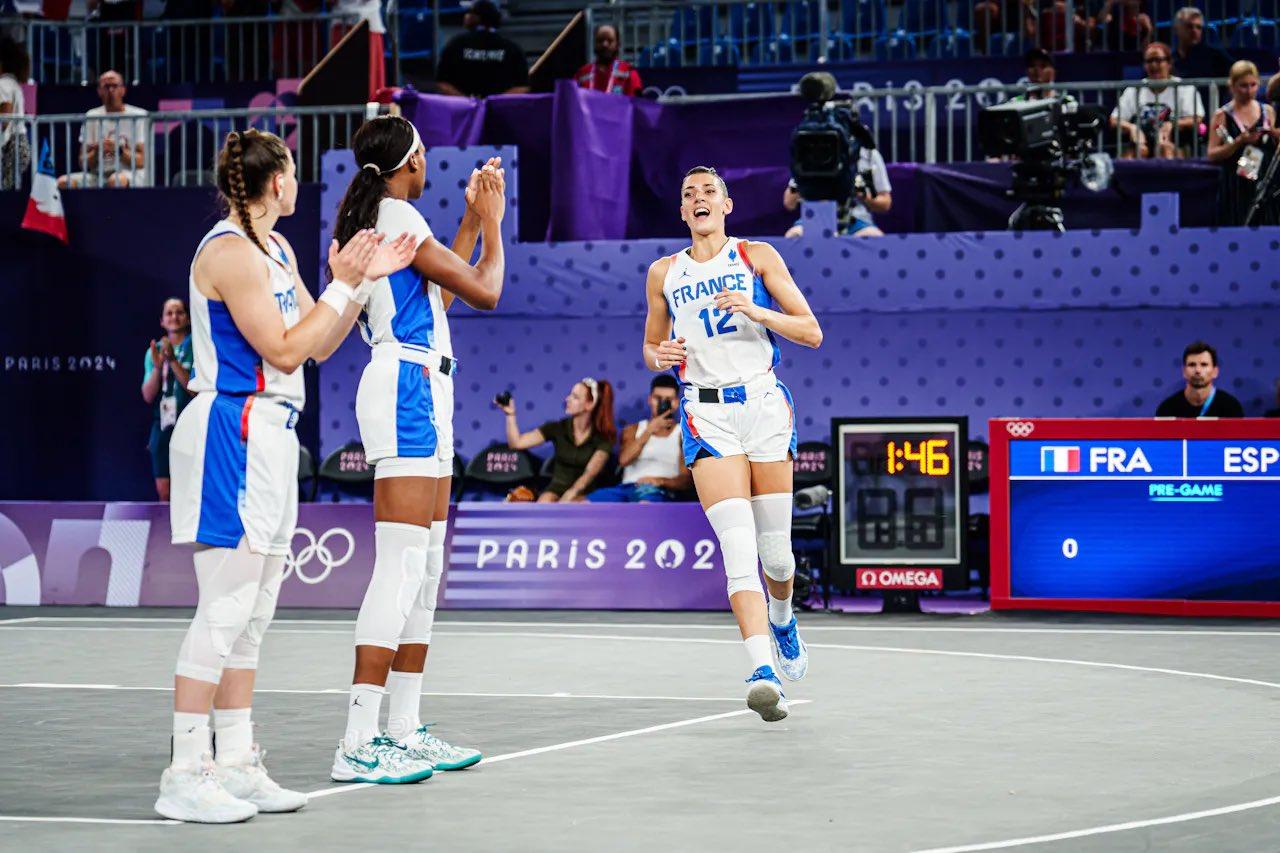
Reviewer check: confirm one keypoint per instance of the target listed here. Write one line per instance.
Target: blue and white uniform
(733, 403)
(405, 400)
(233, 457)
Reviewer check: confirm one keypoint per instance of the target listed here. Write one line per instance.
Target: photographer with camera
(1156, 120)
(652, 455)
(582, 439)
(834, 158)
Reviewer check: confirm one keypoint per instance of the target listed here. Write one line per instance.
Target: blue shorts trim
(415, 413)
(791, 404)
(225, 466)
(690, 443)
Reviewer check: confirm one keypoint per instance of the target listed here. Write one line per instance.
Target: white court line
(134, 821)
(347, 626)
(325, 792)
(343, 691)
(1100, 830)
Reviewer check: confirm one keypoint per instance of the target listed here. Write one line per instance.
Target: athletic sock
(362, 713)
(404, 692)
(233, 735)
(759, 651)
(190, 739)
(780, 610)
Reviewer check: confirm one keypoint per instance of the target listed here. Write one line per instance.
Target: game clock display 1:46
(901, 502)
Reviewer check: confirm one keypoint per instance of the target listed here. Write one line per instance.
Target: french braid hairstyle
(246, 164)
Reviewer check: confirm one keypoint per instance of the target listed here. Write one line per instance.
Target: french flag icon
(1060, 460)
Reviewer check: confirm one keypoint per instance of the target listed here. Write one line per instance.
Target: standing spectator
(1154, 119)
(356, 11)
(582, 439)
(1200, 399)
(15, 147)
(1122, 25)
(609, 73)
(480, 62)
(1194, 58)
(112, 141)
(1243, 139)
(166, 372)
(652, 455)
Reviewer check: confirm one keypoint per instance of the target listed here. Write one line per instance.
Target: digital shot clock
(901, 502)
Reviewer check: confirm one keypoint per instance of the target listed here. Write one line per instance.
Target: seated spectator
(165, 373)
(1154, 120)
(15, 147)
(1040, 72)
(652, 455)
(1200, 399)
(1193, 58)
(1002, 18)
(480, 62)
(609, 73)
(1243, 138)
(112, 148)
(1122, 25)
(582, 439)
(873, 194)
(1051, 27)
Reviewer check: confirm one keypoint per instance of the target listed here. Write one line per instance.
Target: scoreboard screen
(1157, 516)
(901, 501)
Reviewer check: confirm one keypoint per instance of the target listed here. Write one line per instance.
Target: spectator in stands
(112, 141)
(480, 62)
(15, 147)
(1040, 72)
(166, 371)
(1193, 57)
(356, 11)
(609, 73)
(1200, 399)
(992, 19)
(114, 43)
(1122, 25)
(652, 455)
(582, 439)
(873, 194)
(1243, 138)
(1155, 120)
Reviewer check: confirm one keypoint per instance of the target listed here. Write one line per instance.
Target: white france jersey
(724, 349)
(224, 359)
(402, 307)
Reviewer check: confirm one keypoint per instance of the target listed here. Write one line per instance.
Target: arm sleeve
(602, 443)
(1231, 408)
(147, 366)
(634, 86)
(1126, 107)
(397, 216)
(879, 173)
(551, 431)
(1199, 103)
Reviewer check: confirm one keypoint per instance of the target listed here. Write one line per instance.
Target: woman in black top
(1242, 139)
(582, 440)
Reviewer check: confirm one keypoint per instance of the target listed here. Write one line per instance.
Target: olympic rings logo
(1020, 429)
(317, 549)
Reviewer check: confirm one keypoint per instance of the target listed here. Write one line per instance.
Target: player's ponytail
(382, 146)
(602, 418)
(246, 164)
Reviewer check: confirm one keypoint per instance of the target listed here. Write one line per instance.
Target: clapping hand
(392, 256)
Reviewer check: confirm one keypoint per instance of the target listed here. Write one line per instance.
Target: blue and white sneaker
(789, 650)
(424, 746)
(380, 760)
(765, 695)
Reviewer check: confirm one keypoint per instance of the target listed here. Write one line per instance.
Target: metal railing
(167, 149)
(759, 32)
(216, 50)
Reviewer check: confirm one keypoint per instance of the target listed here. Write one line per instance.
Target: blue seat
(955, 44)
(694, 29)
(861, 22)
(895, 46)
(799, 31)
(923, 18)
(1255, 34)
(417, 34)
(753, 32)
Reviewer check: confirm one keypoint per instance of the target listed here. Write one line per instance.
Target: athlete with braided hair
(233, 461)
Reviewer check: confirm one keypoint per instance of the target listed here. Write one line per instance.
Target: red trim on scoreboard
(898, 578)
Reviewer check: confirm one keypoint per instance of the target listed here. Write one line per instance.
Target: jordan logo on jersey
(692, 292)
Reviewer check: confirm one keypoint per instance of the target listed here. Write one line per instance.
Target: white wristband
(338, 296)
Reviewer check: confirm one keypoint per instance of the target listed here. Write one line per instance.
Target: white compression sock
(233, 732)
(404, 690)
(362, 713)
(779, 610)
(759, 651)
(190, 738)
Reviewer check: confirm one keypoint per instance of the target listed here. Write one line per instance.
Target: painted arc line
(555, 747)
(113, 820)
(343, 691)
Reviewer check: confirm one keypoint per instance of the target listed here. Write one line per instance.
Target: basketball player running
(234, 465)
(710, 319)
(405, 409)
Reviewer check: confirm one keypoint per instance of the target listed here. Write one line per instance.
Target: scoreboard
(1141, 516)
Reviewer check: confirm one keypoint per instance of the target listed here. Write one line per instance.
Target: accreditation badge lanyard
(168, 401)
(613, 74)
(1207, 403)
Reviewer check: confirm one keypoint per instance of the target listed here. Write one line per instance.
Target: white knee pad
(228, 580)
(248, 646)
(417, 628)
(773, 534)
(399, 568)
(735, 527)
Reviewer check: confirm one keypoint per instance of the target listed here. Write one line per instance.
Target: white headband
(414, 146)
(591, 386)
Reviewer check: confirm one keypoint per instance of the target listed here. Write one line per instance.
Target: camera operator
(872, 193)
(652, 455)
(1156, 119)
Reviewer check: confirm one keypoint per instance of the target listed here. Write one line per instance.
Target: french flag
(44, 208)
(1060, 460)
